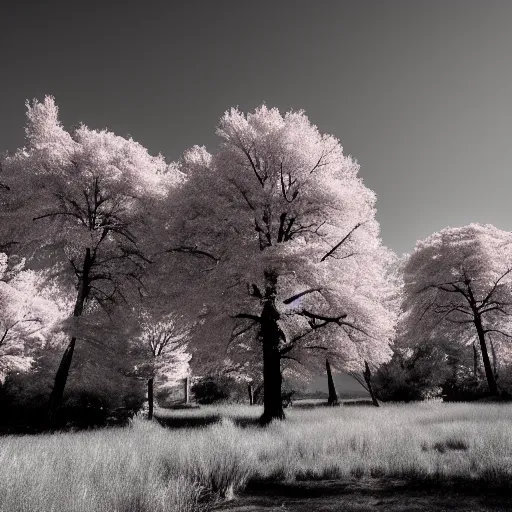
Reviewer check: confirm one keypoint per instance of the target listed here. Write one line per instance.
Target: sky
(417, 91)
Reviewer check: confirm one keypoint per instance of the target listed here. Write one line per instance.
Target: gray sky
(418, 91)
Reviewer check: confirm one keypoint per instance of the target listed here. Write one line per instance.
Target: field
(349, 457)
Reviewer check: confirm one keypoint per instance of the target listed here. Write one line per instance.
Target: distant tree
(83, 202)
(458, 288)
(163, 340)
(277, 230)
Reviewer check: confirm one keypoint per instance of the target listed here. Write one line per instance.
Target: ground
(364, 495)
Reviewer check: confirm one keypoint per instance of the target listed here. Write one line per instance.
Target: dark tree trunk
(475, 361)
(61, 376)
(270, 334)
(494, 362)
(60, 381)
(367, 374)
(489, 374)
(251, 394)
(150, 399)
(333, 397)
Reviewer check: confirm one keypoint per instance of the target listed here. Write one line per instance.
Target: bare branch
(493, 289)
(327, 319)
(254, 318)
(260, 179)
(195, 251)
(56, 214)
(241, 331)
(338, 245)
(498, 331)
(289, 300)
(283, 188)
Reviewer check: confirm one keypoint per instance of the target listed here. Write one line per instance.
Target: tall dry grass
(143, 468)
(146, 467)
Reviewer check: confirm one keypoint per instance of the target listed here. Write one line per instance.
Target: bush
(417, 376)
(464, 386)
(219, 388)
(95, 394)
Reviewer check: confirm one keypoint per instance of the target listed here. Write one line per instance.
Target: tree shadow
(351, 495)
(188, 421)
(204, 421)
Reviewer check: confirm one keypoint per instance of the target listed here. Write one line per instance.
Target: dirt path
(363, 496)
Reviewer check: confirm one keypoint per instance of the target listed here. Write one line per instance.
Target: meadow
(206, 456)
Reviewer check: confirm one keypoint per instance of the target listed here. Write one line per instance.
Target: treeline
(120, 273)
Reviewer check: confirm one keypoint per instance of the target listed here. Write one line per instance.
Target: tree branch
(336, 247)
(289, 300)
(498, 331)
(254, 318)
(194, 251)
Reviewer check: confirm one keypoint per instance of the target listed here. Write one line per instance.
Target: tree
(83, 200)
(458, 287)
(27, 317)
(277, 231)
(164, 340)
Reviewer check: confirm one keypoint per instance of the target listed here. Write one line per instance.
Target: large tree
(277, 230)
(458, 287)
(82, 199)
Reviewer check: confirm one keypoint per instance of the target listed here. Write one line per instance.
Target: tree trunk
(475, 361)
(333, 397)
(494, 361)
(491, 381)
(367, 374)
(65, 364)
(150, 399)
(60, 381)
(251, 394)
(270, 334)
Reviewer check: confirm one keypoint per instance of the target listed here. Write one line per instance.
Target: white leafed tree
(83, 200)
(277, 230)
(458, 288)
(163, 340)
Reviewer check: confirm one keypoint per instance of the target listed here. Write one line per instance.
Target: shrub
(406, 377)
(95, 394)
(220, 388)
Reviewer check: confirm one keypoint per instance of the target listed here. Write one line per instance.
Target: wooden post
(150, 399)
(187, 389)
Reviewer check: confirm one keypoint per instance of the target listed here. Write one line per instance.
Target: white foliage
(28, 319)
(442, 272)
(279, 195)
